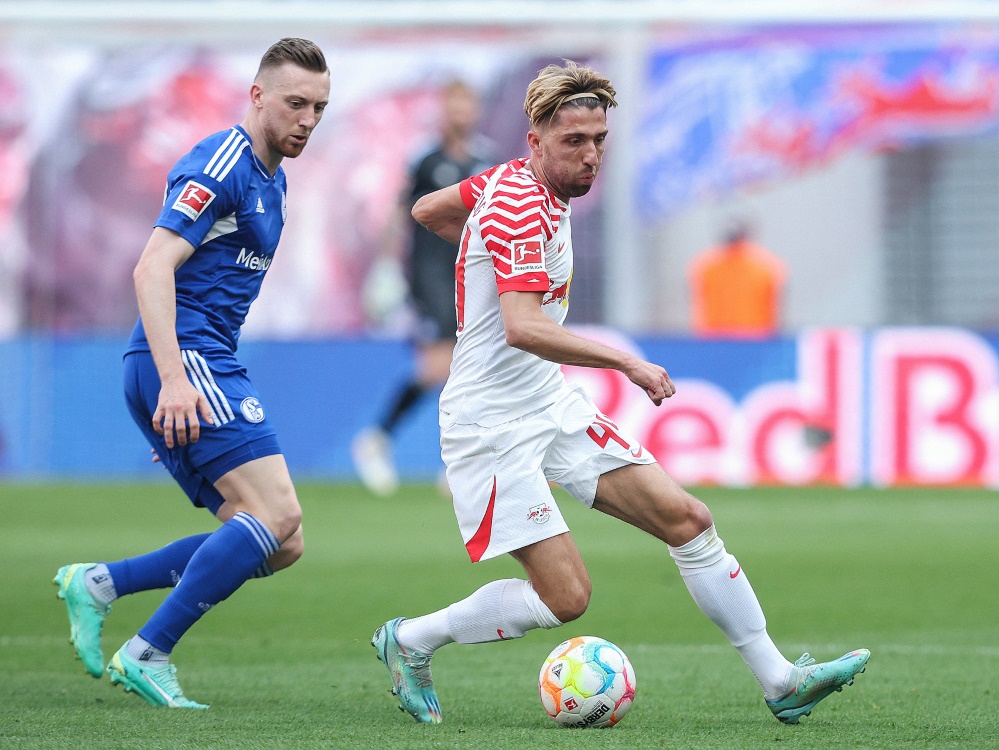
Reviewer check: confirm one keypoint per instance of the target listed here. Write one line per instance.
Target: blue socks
(221, 564)
(160, 569)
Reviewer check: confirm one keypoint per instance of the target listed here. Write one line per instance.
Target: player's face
(291, 101)
(568, 151)
(461, 113)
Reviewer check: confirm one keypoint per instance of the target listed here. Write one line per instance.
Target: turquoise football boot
(86, 615)
(157, 685)
(817, 681)
(412, 682)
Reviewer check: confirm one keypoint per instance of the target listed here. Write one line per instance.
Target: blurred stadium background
(861, 139)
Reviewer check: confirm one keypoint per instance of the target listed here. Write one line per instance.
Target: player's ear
(256, 95)
(534, 141)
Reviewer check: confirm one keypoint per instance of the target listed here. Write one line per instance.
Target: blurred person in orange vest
(736, 287)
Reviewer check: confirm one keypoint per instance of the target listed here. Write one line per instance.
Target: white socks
(142, 650)
(500, 610)
(720, 588)
(100, 585)
(508, 608)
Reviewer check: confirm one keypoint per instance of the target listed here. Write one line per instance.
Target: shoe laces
(167, 678)
(804, 661)
(419, 665)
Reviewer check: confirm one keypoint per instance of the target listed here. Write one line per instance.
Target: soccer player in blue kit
(200, 271)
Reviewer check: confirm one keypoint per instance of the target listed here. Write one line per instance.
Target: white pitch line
(929, 649)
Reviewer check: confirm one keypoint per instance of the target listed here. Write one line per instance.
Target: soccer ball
(587, 682)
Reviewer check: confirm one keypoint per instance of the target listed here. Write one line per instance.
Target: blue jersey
(222, 199)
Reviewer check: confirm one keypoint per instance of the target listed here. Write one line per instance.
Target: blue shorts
(240, 433)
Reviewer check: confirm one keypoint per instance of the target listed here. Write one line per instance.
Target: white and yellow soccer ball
(587, 682)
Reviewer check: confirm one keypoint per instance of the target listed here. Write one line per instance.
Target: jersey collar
(256, 159)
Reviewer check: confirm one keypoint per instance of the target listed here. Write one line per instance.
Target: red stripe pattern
(480, 540)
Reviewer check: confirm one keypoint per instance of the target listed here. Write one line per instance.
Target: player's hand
(176, 416)
(653, 379)
(156, 458)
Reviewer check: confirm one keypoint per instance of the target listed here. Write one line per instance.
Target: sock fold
(500, 610)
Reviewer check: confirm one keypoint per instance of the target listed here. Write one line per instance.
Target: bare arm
(442, 212)
(529, 329)
(156, 291)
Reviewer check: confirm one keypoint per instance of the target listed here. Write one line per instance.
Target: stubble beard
(579, 190)
(283, 145)
(290, 150)
(574, 189)
(566, 187)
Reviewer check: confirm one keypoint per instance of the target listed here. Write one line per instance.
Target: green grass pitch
(286, 662)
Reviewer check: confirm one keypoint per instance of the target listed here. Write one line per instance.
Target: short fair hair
(570, 85)
(300, 52)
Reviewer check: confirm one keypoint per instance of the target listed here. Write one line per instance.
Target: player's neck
(539, 173)
(268, 157)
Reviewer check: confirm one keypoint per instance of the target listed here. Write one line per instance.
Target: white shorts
(499, 475)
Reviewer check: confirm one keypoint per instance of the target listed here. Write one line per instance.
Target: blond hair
(568, 85)
(300, 52)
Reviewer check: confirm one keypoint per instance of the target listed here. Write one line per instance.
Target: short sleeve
(515, 226)
(201, 190)
(471, 187)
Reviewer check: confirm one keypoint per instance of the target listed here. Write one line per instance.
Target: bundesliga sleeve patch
(193, 200)
(527, 257)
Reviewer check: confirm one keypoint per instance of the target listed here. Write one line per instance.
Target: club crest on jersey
(252, 410)
(528, 257)
(539, 513)
(193, 200)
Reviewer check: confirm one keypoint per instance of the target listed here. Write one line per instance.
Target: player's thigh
(588, 446)
(142, 387)
(556, 569)
(648, 498)
(239, 453)
(263, 488)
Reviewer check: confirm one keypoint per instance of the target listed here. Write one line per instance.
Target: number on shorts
(608, 433)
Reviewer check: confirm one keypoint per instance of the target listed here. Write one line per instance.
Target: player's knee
(291, 550)
(698, 515)
(692, 520)
(283, 519)
(288, 520)
(285, 512)
(572, 601)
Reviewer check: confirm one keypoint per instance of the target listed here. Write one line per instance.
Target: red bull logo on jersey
(539, 513)
(559, 294)
(528, 257)
(253, 261)
(193, 200)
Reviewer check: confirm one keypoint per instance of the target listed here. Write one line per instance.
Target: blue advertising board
(840, 406)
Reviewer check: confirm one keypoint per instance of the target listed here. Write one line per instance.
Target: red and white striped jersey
(517, 238)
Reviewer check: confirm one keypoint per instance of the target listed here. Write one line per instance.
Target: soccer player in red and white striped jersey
(510, 424)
